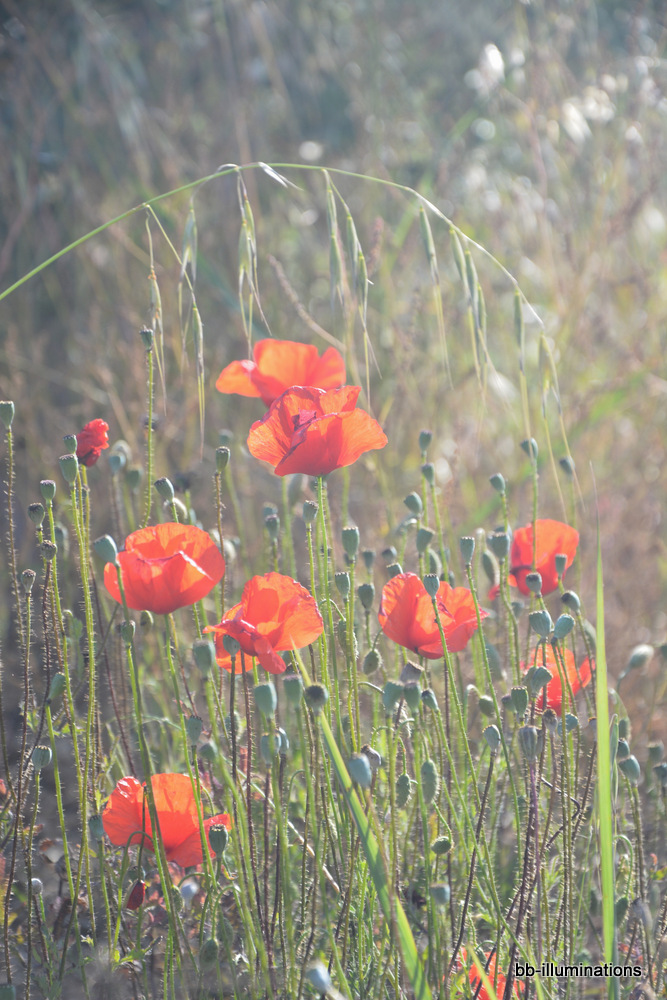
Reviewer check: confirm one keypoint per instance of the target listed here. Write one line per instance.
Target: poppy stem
(331, 641)
(149, 437)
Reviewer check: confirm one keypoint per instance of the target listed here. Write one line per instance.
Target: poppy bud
(530, 448)
(319, 978)
(47, 488)
(127, 632)
(359, 770)
(541, 623)
(486, 706)
(146, 620)
(391, 695)
(389, 555)
(429, 700)
(368, 555)
(440, 894)
(429, 780)
(571, 600)
(624, 728)
(36, 513)
(571, 723)
(442, 845)
(414, 504)
(57, 687)
(133, 477)
(499, 543)
(208, 953)
(425, 438)
(394, 569)
(28, 577)
(563, 627)
(428, 472)
(231, 645)
(350, 537)
(117, 462)
(96, 827)
(222, 456)
(631, 769)
(272, 525)
(293, 688)
(208, 752)
(423, 540)
(310, 509)
(37, 886)
(560, 563)
(68, 466)
(7, 413)
(622, 750)
(106, 549)
(656, 752)
(498, 483)
(164, 489)
(567, 465)
(41, 757)
(519, 698)
(536, 679)
(431, 584)
(403, 790)
(193, 729)
(529, 742)
(204, 655)
(316, 696)
(70, 442)
(269, 747)
(467, 548)
(534, 583)
(495, 665)
(660, 771)
(372, 662)
(366, 594)
(492, 736)
(218, 838)
(49, 550)
(266, 698)
(147, 336)
(413, 695)
(342, 581)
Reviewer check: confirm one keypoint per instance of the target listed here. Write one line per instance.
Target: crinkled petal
(239, 378)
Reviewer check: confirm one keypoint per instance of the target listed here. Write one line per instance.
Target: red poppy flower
(279, 364)
(554, 689)
(166, 567)
(91, 441)
(314, 431)
(553, 538)
(276, 613)
(126, 815)
(406, 616)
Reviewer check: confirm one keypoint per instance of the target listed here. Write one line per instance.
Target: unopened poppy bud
(373, 756)
(534, 583)
(442, 845)
(428, 472)
(117, 462)
(425, 438)
(519, 696)
(127, 632)
(28, 577)
(413, 695)
(133, 477)
(560, 562)
(318, 977)
(7, 413)
(350, 537)
(467, 548)
(372, 662)
(316, 696)
(57, 687)
(389, 555)
(394, 569)
(96, 827)
(359, 770)
(269, 747)
(403, 790)
(368, 555)
(498, 483)
(209, 752)
(490, 566)
(208, 953)
(272, 525)
(563, 626)
(492, 736)
(41, 757)
(105, 547)
(49, 550)
(204, 655)
(499, 543)
(541, 623)
(423, 539)
(429, 780)
(571, 600)
(656, 752)
(630, 768)
(622, 750)
(147, 336)
(146, 620)
(660, 771)
(429, 700)
(486, 706)
(193, 729)
(37, 886)
(310, 509)
(624, 728)
(222, 456)
(69, 466)
(218, 838)
(293, 688)
(571, 723)
(431, 584)
(536, 679)
(639, 657)
(164, 488)
(550, 720)
(391, 695)
(231, 645)
(342, 581)
(567, 465)
(440, 894)
(414, 504)
(36, 513)
(366, 594)
(528, 741)
(530, 448)
(266, 698)
(47, 488)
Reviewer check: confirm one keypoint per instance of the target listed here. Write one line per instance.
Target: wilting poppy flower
(553, 538)
(276, 613)
(554, 689)
(91, 441)
(165, 567)
(126, 815)
(314, 431)
(406, 615)
(279, 364)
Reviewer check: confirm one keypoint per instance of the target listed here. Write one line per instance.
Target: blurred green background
(538, 128)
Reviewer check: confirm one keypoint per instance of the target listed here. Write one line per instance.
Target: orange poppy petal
(189, 851)
(331, 442)
(238, 378)
(124, 811)
(406, 615)
(329, 370)
(282, 364)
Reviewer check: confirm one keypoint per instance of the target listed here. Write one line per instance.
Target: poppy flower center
(303, 418)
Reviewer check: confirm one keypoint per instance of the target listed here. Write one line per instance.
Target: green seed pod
(528, 737)
(425, 438)
(423, 539)
(7, 413)
(49, 550)
(413, 695)
(272, 525)
(28, 577)
(563, 626)
(656, 752)
(57, 687)
(428, 472)
(342, 581)
(660, 771)
(442, 845)
(193, 729)
(403, 790)
(310, 509)
(96, 827)
(127, 632)
(7, 991)
(431, 583)
(541, 623)
(389, 555)
(316, 696)
(164, 489)
(624, 731)
(360, 770)
(492, 736)
(222, 457)
(269, 747)
(519, 698)
(550, 721)
(394, 569)
(368, 555)
(208, 953)
(47, 488)
(366, 593)
(106, 549)
(203, 652)
(284, 741)
(536, 679)
(231, 645)
(430, 781)
(414, 504)
(218, 838)
(499, 543)
(498, 483)
(41, 757)
(534, 583)
(467, 549)
(350, 538)
(391, 695)
(631, 769)
(571, 600)
(372, 661)
(560, 563)
(622, 750)
(530, 448)
(208, 752)
(490, 567)
(293, 688)
(69, 466)
(486, 706)
(429, 700)
(266, 698)
(36, 513)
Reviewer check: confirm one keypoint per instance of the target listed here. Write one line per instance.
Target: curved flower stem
(327, 598)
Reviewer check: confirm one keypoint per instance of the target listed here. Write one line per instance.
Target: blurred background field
(538, 128)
